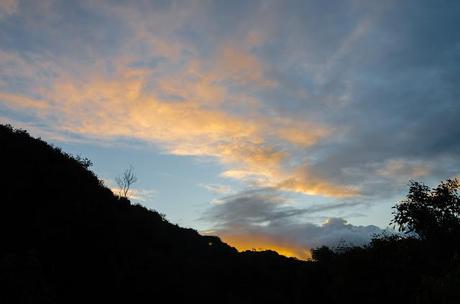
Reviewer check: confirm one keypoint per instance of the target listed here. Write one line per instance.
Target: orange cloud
(193, 84)
(303, 183)
(395, 168)
(137, 103)
(241, 66)
(299, 133)
(18, 101)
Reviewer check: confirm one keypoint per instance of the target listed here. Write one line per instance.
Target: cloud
(305, 181)
(122, 105)
(8, 7)
(217, 188)
(405, 169)
(240, 66)
(15, 101)
(140, 195)
(396, 110)
(265, 219)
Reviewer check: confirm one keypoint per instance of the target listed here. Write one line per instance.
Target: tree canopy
(430, 212)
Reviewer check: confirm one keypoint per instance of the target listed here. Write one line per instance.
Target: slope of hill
(66, 238)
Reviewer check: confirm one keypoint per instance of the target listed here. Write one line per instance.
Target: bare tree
(125, 181)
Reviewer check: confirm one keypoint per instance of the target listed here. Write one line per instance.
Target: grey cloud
(266, 214)
(391, 90)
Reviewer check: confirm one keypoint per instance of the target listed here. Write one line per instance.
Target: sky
(281, 125)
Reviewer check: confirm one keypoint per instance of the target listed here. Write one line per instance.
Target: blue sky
(274, 124)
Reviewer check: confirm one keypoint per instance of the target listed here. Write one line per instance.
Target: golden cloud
(241, 66)
(136, 103)
(315, 186)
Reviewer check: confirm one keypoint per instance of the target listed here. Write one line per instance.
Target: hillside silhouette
(66, 238)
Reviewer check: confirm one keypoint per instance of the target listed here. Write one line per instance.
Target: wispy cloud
(136, 195)
(140, 195)
(405, 169)
(217, 188)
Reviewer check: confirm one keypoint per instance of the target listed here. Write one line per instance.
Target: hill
(66, 238)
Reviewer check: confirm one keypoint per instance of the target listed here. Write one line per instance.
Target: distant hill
(66, 238)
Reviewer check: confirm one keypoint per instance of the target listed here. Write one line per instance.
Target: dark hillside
(66, 238)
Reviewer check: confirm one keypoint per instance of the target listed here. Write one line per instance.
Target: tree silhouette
(125, 181)
(323, 254)
(431, 213)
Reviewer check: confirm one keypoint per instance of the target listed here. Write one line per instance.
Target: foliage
(84, 161)
(431, 213)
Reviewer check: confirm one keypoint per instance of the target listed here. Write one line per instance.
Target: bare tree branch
(125, 181)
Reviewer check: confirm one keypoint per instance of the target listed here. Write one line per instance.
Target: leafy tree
(431, 213)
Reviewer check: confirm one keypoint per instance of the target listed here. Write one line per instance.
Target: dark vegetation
(66, 238)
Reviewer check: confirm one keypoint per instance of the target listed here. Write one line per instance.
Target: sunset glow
(252, 242)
